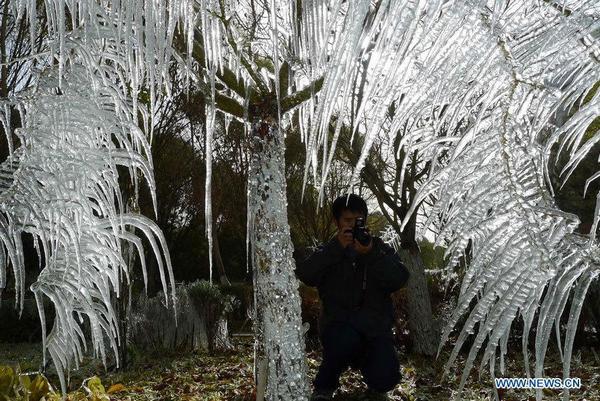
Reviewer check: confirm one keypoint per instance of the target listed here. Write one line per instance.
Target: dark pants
(344, 346)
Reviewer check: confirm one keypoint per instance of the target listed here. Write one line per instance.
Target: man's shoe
(321, 395)
(372, 395)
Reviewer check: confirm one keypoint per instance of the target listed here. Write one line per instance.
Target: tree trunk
(217, 253)
(423, 332)
(119, 305)
(280, 364)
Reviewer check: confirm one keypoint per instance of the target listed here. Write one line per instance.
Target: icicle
(5, 119)
(576, 305)
(248, 227)
(208, 197)
(273, 16)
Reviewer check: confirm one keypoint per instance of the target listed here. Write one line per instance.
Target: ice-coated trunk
(280, 364)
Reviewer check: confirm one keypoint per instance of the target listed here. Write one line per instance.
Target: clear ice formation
(80, 122)
(477, 83)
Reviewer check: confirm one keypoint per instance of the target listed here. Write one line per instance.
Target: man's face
(346, 223)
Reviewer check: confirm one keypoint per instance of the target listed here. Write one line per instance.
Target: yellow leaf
(115, 388)
(38, 388)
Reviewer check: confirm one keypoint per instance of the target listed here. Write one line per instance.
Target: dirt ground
(228, 376)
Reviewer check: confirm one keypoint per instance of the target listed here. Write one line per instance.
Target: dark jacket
(338, 274)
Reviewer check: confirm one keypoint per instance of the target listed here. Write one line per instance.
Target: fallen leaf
(115, 388)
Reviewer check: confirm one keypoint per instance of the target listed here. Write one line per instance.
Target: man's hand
(346, 239)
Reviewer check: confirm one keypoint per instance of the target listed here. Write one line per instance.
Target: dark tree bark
(423, 332)
(217, 253)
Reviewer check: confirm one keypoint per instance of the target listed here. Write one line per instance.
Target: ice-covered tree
(493, 74)
(244, 76)
(475, 81)
(79, 122)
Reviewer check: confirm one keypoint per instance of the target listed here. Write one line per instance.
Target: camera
(360, 233)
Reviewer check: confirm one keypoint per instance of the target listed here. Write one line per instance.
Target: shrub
(201, 320)
(244, 295)
(17, 386)
(20, 387)
(212, 306)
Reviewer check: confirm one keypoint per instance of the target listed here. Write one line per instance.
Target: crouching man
(355, 273)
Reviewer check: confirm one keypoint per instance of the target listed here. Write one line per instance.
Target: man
(355, 282)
